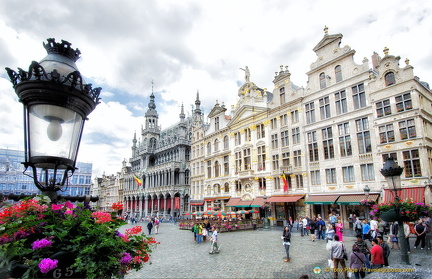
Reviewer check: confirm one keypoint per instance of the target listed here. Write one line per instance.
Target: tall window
(348, 174)
(262, 183)
(403, 102)
(386, 133)
(284, 120)
(226, 165)
(299, 181)
(237, 138)
(324, 107)
(327, 136)
(226, 142)
(261, 157)
(313, 146)
(344, 140)
(363, 135)
(284, 138)
(285, 159)
(390, 78)
(359, 96)
(282, 95)
(295, 116)
(315, 177)
(275, 160)
(367, 172)
(411, 160)
(322, 79)
(341, 102)
(248, 134)
(331, 176)
(407, 129)
(247, 158)
(238, 161)
(296, 135)
(216, 169)
(338, 73)
(216, 123)
(383, 108)
(274, 141)
(297, 158)
(273, 123)
(209, 169)
(208, 148)
(277, 183)
(310, 113)
(260, 131)
(226, 187)
(216, 145)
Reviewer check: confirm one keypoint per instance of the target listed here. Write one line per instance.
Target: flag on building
(138, 180)
(285, 182)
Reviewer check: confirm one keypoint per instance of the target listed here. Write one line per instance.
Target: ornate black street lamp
(366, 191)
(56, 104)
(266, 224)
(392, 172)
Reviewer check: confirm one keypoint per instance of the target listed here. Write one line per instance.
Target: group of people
(317, 228)
(153, 222)
(204, 231)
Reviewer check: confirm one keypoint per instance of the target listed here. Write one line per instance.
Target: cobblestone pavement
(247, 254)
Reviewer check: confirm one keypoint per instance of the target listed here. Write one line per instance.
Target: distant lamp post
(56, 104)
(266, 224)
(366, 190)
(392, 172)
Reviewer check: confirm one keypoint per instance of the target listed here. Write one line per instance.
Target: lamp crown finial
(63, 48)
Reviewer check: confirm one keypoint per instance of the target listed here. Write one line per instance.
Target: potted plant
(37, 236)
(408, 211)
(368, 202)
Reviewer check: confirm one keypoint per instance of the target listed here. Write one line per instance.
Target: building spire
(197, 104)
(182, 114)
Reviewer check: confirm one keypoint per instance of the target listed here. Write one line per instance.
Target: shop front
(351, 207)
(286, 207)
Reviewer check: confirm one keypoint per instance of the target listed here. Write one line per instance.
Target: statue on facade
(247, 73)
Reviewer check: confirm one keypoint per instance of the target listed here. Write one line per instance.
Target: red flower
(146, 258)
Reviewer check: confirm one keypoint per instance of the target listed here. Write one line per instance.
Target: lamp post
(56, 104)
(366, 192)
(266, 224)
(392, 172)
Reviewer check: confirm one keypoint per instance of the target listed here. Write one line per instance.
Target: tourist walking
(305, 222)
(215, 247)
(156, 225)
(357, 262)
(386, 249)
(286, 237)
(149, 227)
(330, 233)
(199, 232)
(364, 249)
(377, 255)
(420, 231)
(338, 255)
(312, 227)
(373, 228)
(407, 231)
(358, 226)
(333, 219)
(393, 235)
(365, 229)
(339, 229)
(320, 228)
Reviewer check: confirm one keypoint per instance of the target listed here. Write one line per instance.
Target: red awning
(197, 203)
(416, 193)
(258, 202)
(233, 202)
(284, 198)
(243, 203)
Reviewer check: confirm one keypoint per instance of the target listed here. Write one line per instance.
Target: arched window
(208, 148)
(338, 73)
(390, 78)
(322, 78)
(226, 142)
(226, 186)
(216, 145)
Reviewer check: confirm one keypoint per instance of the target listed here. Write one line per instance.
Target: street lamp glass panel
(53, 131)
(394, 182)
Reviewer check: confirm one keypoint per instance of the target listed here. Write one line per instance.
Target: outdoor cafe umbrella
(242, 212)
(231, 213)
(219, 213)
(187, 213)
(209, 212)
(253, 211)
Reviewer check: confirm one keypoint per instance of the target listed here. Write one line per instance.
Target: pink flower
(69, 205)
(101, 217)
(57, 206)
(70, 212)
(126, 259)
(41, 244)
(47, 264)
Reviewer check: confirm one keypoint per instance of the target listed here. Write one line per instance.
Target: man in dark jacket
(386, 249)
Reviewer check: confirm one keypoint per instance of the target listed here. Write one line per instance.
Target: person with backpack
(358, 226)
(321, 228)
(357, 262)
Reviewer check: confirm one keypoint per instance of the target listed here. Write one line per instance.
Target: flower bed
(37, 234)
(408, 210)
(227, 226)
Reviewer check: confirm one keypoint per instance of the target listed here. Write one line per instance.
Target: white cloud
(185, 46)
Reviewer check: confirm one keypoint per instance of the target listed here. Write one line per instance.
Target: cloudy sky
(190, 45)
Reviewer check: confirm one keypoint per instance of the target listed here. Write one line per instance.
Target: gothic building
(158, 179)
